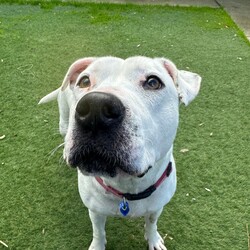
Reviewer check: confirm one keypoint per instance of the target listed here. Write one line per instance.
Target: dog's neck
(134, 184)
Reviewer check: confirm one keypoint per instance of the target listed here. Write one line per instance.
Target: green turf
(39, 203)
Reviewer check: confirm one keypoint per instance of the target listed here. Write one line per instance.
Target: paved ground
(239, 10)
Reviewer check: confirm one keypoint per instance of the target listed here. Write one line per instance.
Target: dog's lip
(122, 167)
(133, 174)
(145, 172)
(103, 158)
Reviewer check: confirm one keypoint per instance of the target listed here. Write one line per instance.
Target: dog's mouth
(101, 163)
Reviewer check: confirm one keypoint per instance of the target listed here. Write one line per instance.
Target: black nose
(98, 110)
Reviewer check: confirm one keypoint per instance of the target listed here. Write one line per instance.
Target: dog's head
(124, 113)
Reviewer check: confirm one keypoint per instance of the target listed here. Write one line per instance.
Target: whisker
(52, 152)
(56, 148)
(61, 161)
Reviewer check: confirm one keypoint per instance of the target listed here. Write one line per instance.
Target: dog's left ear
(187, 83)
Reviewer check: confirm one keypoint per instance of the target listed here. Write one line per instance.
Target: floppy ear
(74, 70)
(187, 83)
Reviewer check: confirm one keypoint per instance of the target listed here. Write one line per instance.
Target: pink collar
(142, 195)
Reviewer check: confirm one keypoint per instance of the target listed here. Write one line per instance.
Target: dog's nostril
(110, 112)
(83, 110)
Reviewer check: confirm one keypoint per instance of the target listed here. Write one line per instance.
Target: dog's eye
(153, 83)
(84, 82)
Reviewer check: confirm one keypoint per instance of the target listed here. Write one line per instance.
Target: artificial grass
(39, 203)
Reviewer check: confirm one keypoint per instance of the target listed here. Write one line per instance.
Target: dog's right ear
(74, 70)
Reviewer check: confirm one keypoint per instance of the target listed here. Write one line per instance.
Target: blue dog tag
(124, 207)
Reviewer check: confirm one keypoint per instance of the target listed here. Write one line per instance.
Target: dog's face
(124, 114)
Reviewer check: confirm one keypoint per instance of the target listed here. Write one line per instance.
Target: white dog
(119, 118)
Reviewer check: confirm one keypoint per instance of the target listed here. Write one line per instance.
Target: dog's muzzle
(101, 142)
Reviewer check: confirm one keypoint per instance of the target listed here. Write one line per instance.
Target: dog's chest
(97, 199)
